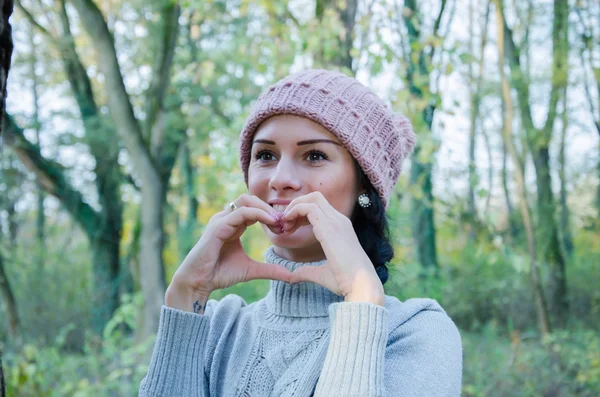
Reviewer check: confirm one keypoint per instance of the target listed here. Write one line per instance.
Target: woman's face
(292, 156)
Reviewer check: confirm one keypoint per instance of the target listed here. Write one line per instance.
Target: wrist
(366, 290)
(185, 299)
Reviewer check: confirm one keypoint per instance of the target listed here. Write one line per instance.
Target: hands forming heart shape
(218, 259)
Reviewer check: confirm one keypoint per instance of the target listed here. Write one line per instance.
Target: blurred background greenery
(121, 141)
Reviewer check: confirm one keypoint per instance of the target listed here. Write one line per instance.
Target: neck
(313, 253)
(298, 300)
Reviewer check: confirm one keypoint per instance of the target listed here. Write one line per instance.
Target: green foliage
(567, 364)
(111, 366)
(483, 282)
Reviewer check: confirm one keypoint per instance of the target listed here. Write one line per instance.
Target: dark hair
(372, 228)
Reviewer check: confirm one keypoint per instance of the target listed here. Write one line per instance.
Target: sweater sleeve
(421, 357)
(177, 364)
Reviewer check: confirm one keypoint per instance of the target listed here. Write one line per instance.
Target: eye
(315, 156)
(264, 155)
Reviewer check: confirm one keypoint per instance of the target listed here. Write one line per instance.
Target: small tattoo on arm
(198, 308)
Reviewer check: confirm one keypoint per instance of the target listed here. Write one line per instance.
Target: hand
(218, 259)
(348, 271)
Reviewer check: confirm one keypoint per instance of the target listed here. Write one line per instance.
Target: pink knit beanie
(377, 138)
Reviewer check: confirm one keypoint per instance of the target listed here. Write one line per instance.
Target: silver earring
(364, 200)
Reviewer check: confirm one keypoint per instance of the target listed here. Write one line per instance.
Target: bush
(566, 364)
(112, 365)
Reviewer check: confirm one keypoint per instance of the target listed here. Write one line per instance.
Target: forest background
(120, 142)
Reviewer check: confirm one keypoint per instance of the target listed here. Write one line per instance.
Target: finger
(263, 271)
(236, 222)
(248, 200)
(226, 210)
(249, 216)
(255, 201)
(317, 198)
(310, 211)
(313, 274)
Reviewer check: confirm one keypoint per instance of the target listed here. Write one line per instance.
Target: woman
(320, 155)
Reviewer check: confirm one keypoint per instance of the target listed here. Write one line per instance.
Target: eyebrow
(308, 142)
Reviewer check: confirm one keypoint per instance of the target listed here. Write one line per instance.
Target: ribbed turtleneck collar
(298, 300)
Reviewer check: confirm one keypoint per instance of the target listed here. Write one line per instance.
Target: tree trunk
(13, 227)
(512, 227)
(538, 141)
(2, 383)
(598, 187)
(488, 148)
(475, 82)
(540, 302)
(187, 233)
(6, 48)
(152, 276)
(548, 235)
(474, 111)
(567, 239)
(40, 218)
(423, 224)
(105, 259)
(8, 297)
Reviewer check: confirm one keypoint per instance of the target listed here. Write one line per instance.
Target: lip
(279, 201)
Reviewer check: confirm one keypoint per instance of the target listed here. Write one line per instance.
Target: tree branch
(560, 51)
(50, 176)
(438, 20)
(33, 21)
(155, 96)
(75, 71)
(512, 55)
(118, 98)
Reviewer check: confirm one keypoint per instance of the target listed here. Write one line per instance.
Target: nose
(285, 176)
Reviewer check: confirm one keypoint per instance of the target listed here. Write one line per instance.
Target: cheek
(339, 192)
(257, 181)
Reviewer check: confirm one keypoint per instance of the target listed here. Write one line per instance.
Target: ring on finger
(233, 206)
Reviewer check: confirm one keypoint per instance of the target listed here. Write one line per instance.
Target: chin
(301, 238)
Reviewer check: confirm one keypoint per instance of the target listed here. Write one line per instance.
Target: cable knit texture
(376, 137)
(302, 340)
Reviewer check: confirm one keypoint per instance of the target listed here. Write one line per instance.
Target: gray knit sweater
(303, 340)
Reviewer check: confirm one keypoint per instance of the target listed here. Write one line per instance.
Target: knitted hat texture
(377, 138)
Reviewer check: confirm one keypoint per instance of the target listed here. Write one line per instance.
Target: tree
(419, 54)
(337, 47)
(6, 48)
(475, 91)
(9, 298)
(104, 230)
(11, 178)
(565, 227)
(588, 14)
(507, 137)
(37, 127)
(538, 140)
(145, 140)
